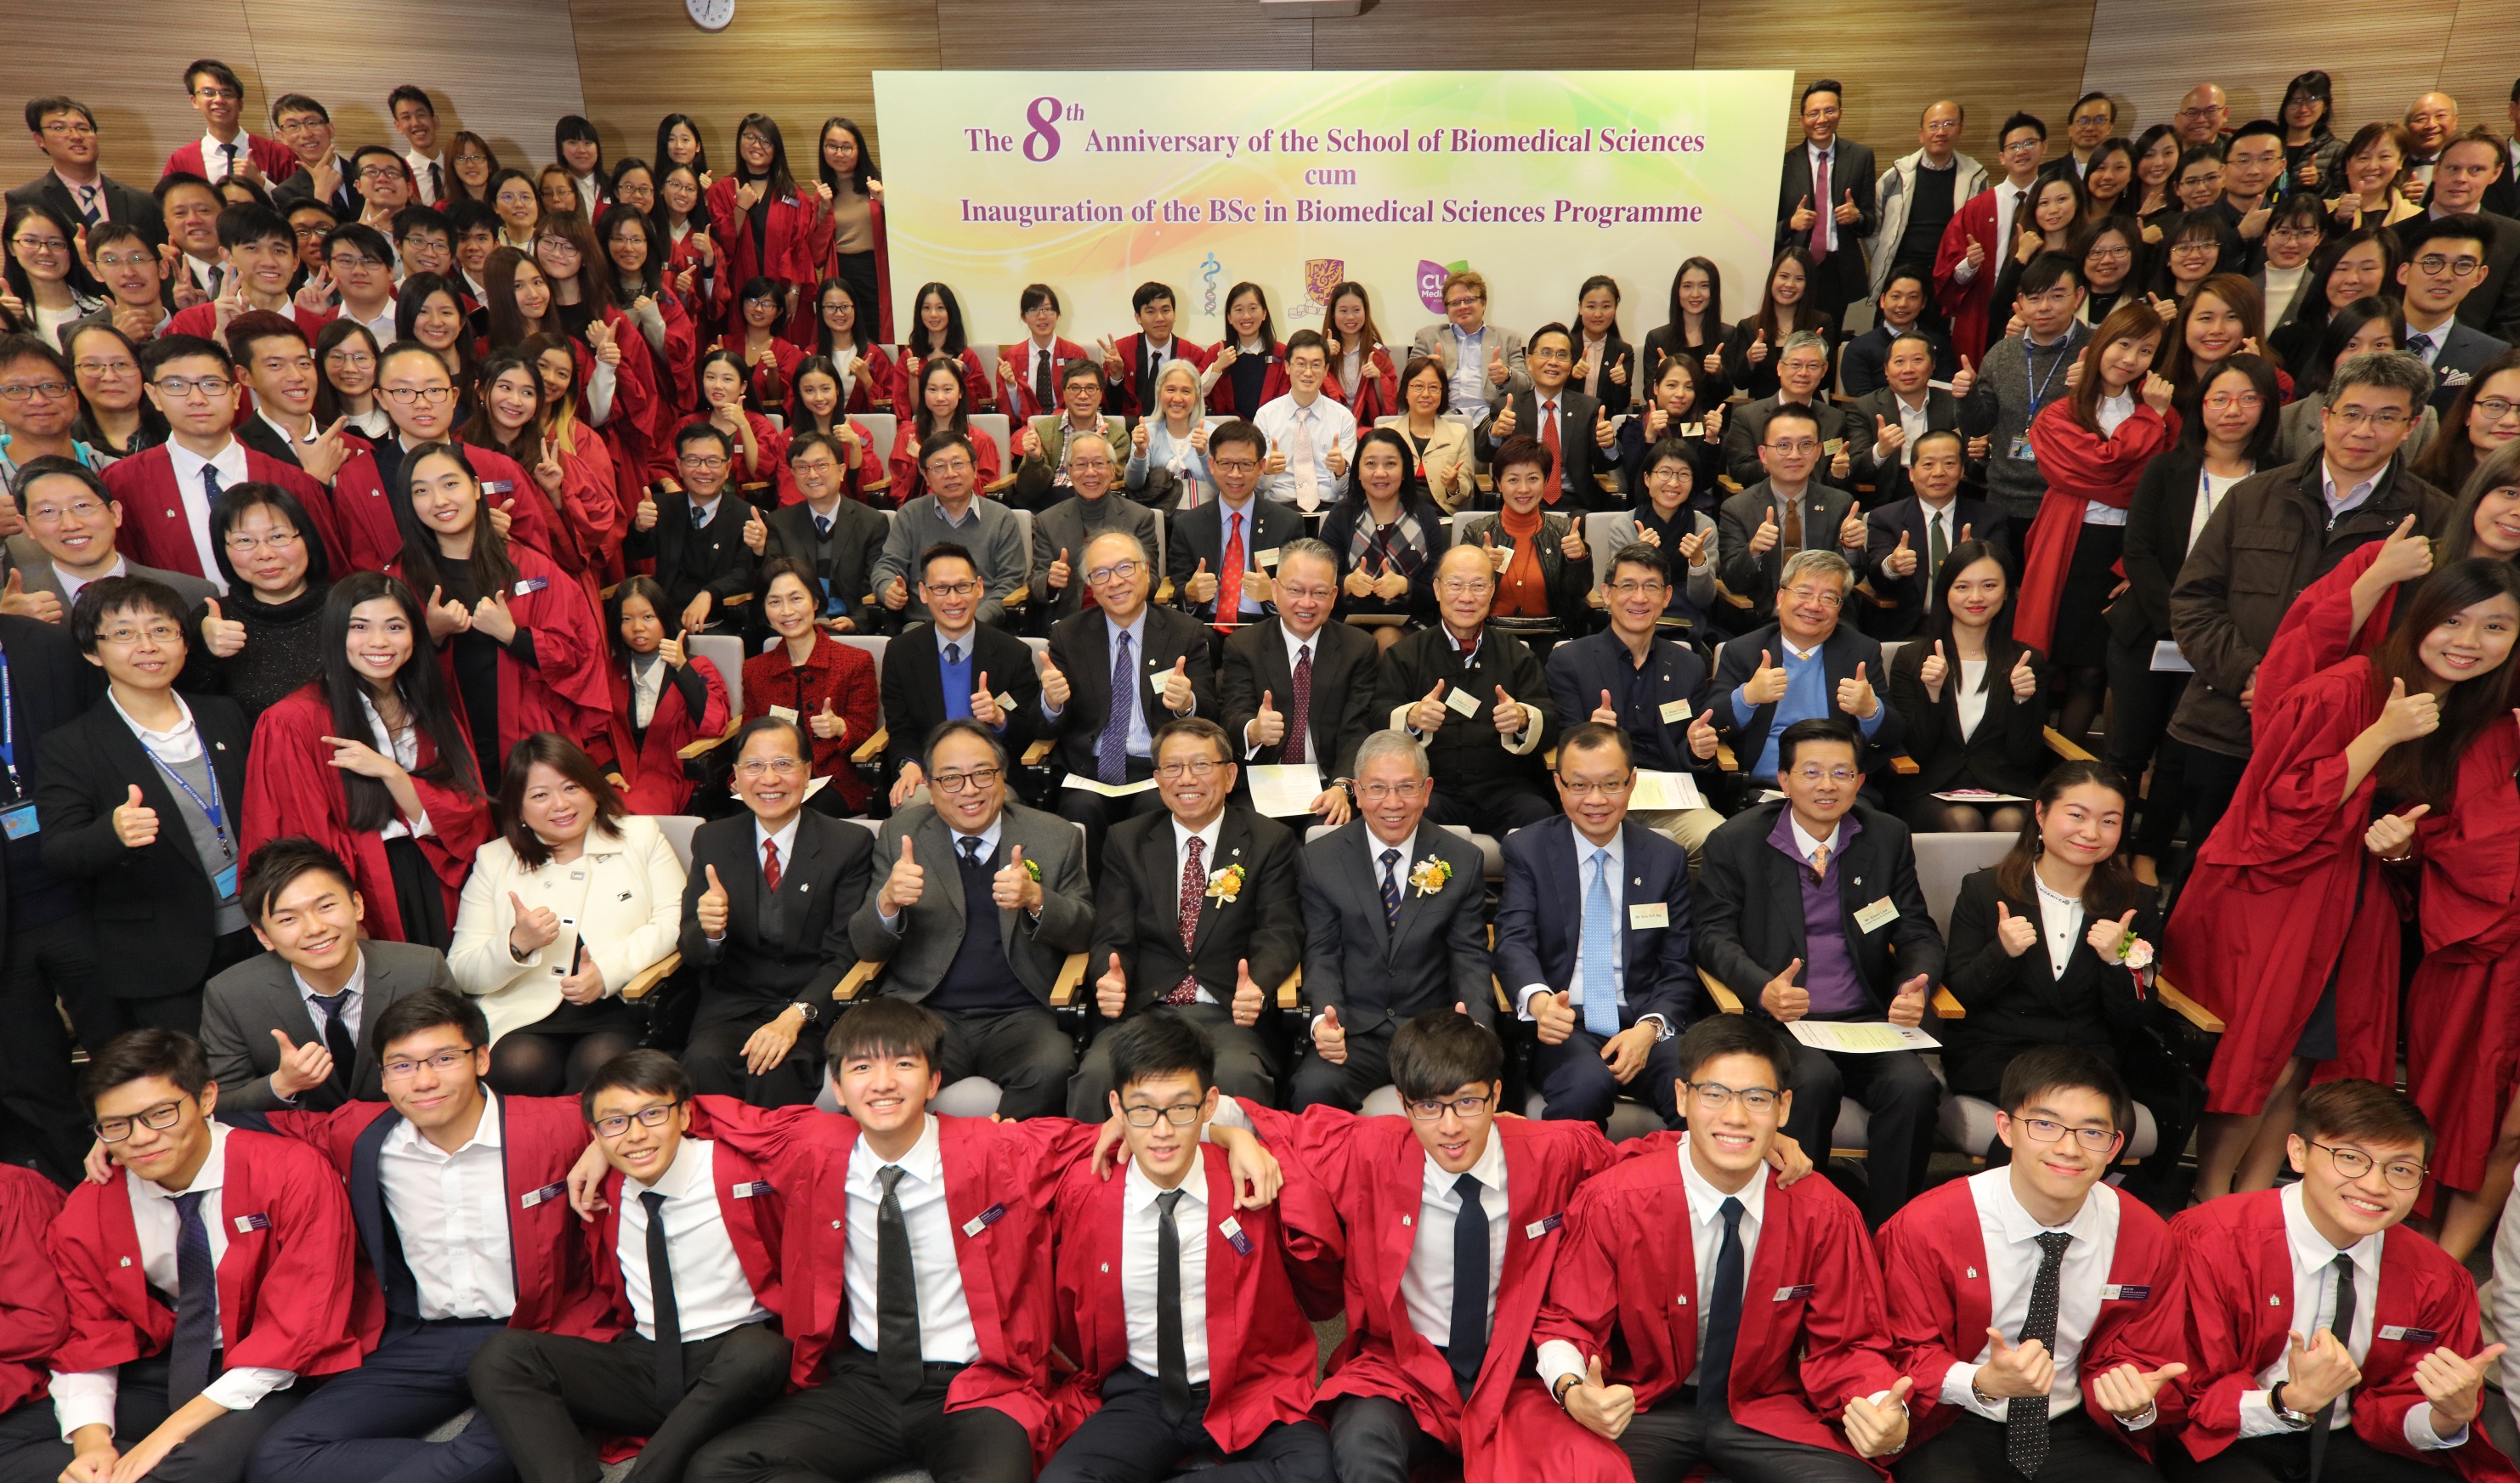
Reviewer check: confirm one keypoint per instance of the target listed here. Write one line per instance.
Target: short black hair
(1815, 728)
(1079, 369)
(370, 242)
(2466, 226)
(1159, 1042)
(1822, 85)
(1306, 339)
(417, 217)
(1521, 448)
(2045, 271)
(172, 347)
(1035, 296)
(759, 724)
(38, 109)
(1440, 1052)
(138, 1054)
(1639, 554)
(636, 1071)
(1235, 429)
(408, 93)
(218, 72)
(1719, 1035)
(691, 433)
(1555, 327)
(946, 437)
(277, 862)
(1199, 727)
(121, 594)
(175, 180)
(1148, 293)
(2094, 96)
(1922, 276)
(885, 1026)
(946, 551)
(298, 103)
(54, 465)
(426, 1011)
(251, 221)
(2363, 1110)
(23, 346)
(1788, 412)
(2048, 1068)
(964, 727)
(2251, 129)
(2022, 121)
(1593, 736)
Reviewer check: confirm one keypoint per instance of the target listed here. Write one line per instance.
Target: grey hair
(1068, 450)
(2387, 371)
(1306, 546)
(1802, 339)
(1827, 564)
(1133, 544)
(1390, 743)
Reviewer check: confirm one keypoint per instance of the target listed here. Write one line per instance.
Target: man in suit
(1825, 202)
(2470, 166)
(1197, 910)
(697, 537)
(839, 537)
(1394, 924)
(1133, 364)
(1802, 365)
(1223, 554)
(1484, 363)
(1809, 909)
(1060, 533)
(1115, 674)
(1652, 690)
(1042, 475)
(1903, 407)
(1788, 512)
(225, 148)
(1898, 309)
(1907, 539)
(1567, 422)
(76, 184)
(1298, 689)
(953, 669)
(1809, 664)
(72, 525)
(982, 901)
(1593, 935)
(953, 509)
(2449, 261)
(284, 1029)
(324, 175)
(1475, 700)
(1980, 234)
(766, 912)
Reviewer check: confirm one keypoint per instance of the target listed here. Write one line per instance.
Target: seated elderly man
(1806, 665)
(1475, 700)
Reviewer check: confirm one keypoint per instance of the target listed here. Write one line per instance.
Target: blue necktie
(193, 1356)
(1391, 890)
(1113, 761)
(1601, 987)
(2419, 345)
(1723, 1315)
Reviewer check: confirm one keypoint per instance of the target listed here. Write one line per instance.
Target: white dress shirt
(711, 1293)
(1911, 421)
(2060, 924)
(1426, 1283)
(215, 166)
(1471, 364)
(1296, 646)
(1208, 863)
(2339, 498)
(647, 688)
(1969, 701)
(86, 1399)
(451, 1213)
(188, 465)
(2013, 1257)
(422, 190)
(1292, 428)
(353, 998)
(945, 1332)
(2111, 413)
(404, 748)
(1138, 1218)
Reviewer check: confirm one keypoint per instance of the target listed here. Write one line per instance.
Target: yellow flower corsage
(1226, 884)
(1430, 876)
(1032, 868)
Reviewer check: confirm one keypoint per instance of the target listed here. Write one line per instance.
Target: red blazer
(1273, 386)
(1016, 396)
(835, 672)
(869, 472)
(908, 483)
(34, 1312)
(1933, 1257)
(790, 257)
(1965, 303)
(156, 520)
(756, 1211)
(649, 763)
(1376, 398)
(1128, 398)
(287, 1284)
(363, 510)
(269, 156)
(1813, 1331)
(540, 1137)
(1260, 1350)
(2233, 1281)
(564, 690)
(980, 384)
(203, 320)
(291, 787)
(2080, 467)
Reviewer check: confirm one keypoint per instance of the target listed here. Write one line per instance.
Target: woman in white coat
(575, 898)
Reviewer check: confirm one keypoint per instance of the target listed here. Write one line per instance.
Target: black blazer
(857, 540)
(2158, 516)
(1342, 701)
(1465, 754)
(121, 204)
(1840, 652)
(1758, 380)
(1851, 168)
(2493, 308)
(1137, 908)
(1581, 456)
(1379, 976)
(913, 688)
(156, 903)
(820, 886)
(1745, 426)
(1889, 478)
(1750, 906)
(1864, 360)
(1672, 674)
(1713, 388)
(690, 561)
(1081, 647)
(49, 686)
(1338, 533)
(1755, 577)
(1198, 535)
(2008, 753)
(1905, 596)
(2016, 1002)
(346, 203)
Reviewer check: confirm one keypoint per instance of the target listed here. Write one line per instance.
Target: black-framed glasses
(1180, 1115)
(159, 1118)
(2354, 1163)
(977, 779)
(1462, 1107)
(2044, 1131)
(619, 1122)
(1174, 772)
(404, 1067)
(404, 396)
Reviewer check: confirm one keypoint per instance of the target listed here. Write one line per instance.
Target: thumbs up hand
(1602, 1408)
(1902, 560)
(2011, 1371)
(1605, 713)
(1964, 380)
(985, 704)
(135, 823)
(2025, 679)
(1764, 539)
(2404, 557)
(1501, 425)
(1497, 372)
(1757, 354)
(1855, 695)
(1803, 216)
(827, 724)
(1852, 534)
(1888, 437)
(1511, 717)
(1248, 999)
(1201, 586)
(535, 928)
(2106, 936)
(224, 637)
(674, 650)
(2456, 1386)
(1935, 670)
(2406, 717)
(1875, 1432)
(302, 1068)
(1601, 433)
(1053, 682)
(2016, 934)
(1701, 736)
(1783, 998)
(1571, 545)
(644, 518)
(1269, 726)
(1014, 887)
(903, 884)
(2392, 836)
(1502, 555)
(1427, 714)
(1061, 573)
(16, 600)
(1179, 696)
(1847, 212)
(1908, 1008)
(710, 909)
(2127, 1392)
(1330, 1037)
(756, 532)
(1767, 683)
(1112, 991)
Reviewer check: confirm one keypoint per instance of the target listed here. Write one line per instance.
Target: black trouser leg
(851, 1426)
(1023, 1051)
(1374, 1439)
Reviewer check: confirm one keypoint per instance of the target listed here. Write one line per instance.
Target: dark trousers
(1023, 1051)
(1244, 1066)
(1971, 1449)
(38, 1093)
(1576, 1083)
(538, 1389)
(714, 1056)
(1663, 1445)
(851, 1426)
(1130, 1441)
(2213, 779)
(1901, 1095)
(1374, 1439)
(367, 1424)
(1347, 1085)
(2140, 702)
(1495, 809)
(2285, 1458)
(1097, 814)
(218, 1453)
(31, 1443)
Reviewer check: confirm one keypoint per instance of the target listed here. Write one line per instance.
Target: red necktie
(770, 864)
(1228, 582)
(1821, 217)
(1557, 455)
(1194, 897)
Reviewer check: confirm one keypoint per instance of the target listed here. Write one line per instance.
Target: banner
(1096, 182)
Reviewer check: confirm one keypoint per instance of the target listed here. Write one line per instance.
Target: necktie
(339, 1041)
(1111, 763)
(1723, 1315)
(971, 851)
(1228, 582)
(1041, 393)
(1391, 890)
(1821, 217)
(822, 528)
(194, 1353)
(1793, 532)
(666, 1318)
(2020, 205)
(218, 274)
(1300, 462)
(1193, 899)
(211, 486)
(1938, 545)
(227, 155)
(2025, 1418)
(91, 204)
(897, 1349)
(2342, 1325)
(1468, 1349)
(1172, 1355)
(1600, 985)
(1819, 864)
(436, 183)
(770, 864)
(2421, 346)
(1299, 719)
(1557, 453)
(1147, 379)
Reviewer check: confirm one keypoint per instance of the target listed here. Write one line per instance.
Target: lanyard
(2039, 393)
(9, 729)
(209, 806)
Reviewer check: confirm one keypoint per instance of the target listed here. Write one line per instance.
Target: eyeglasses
(2225, 401)
(1465, 587)
(253, 545)
(1805, 446)
(1117, 571)
(345, 262)
(1462, 1107)
(214, 94)
(2106, 255)
(706, 463)
(2353, 1163)
(1383, 793)
(1461, 303)
(2194, 248)
(300, 123)
(77, 510)
(100, 370)
(352, 360)
(978, 780)
(123, 636)
(380, 173)
(754, 769)
(1552, 353)
(2437, 263)
(2492, 409)
(1180, 1115)
(2019, 145)
(159, 1118)
(1287, 592)
(113, 260)
(1811, 773)
(645, 1117)
(1174, 772)
(951, 589)
(404, 396)
(39, 244)
(70, 129)
(181, 387)
(1077, 463)
(1716, 1097)
(560, 244)
(48, 390)
(823, 466)
(2193, 115)
(1232, 464)
(1595, 789)
(404, 1067)
(1813, 595)
(1646, 588)
(2355, 417)
(2092, 1140)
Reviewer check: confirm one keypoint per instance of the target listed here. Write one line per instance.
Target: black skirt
(419, 893)
(569, 1022)
(2081, 630)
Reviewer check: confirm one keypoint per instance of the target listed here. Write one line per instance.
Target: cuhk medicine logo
(1430, 281)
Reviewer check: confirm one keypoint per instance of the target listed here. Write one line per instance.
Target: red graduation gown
(363, 510)
(1273, 385)
(1134, 400)
(269, 156)
(1016, 395)
(291, 787)
(872, 391)
(564, 690)
(832, 671)
(1373, 396)
(675, 368)
(1813, 1333)
(771, 380)
(34, 1312)
(1933, 1268)
(287, 1282)
(156, 518)
(1965, 303)
(2463, 1008)
(203, 320)
(649, 763)
(909, 484)
(788, 243)
(2318, 630)
(980, 384)
(2233, 1282)
(2080, 467)
(2284, 896)
(753, 1207)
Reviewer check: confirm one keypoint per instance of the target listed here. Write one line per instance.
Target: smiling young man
(277, 360)
(189, 206)
(74, 182)
(1135, 361)
(2030, 1302)
(124, 260)
(2466, 182)
(225, 148)
(1980, 234)
(325, 175)
(2318, 1331)
(2448, 262)
(1223, 555)
(360, 262)
(1298, 689)
(953, 509)
(1824, 201)
(1314, 435)
(69, 541)
(261, 253)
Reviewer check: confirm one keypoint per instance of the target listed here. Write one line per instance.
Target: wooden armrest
(1018, 597)
(646, 981)
(1071, 973)
(1727, 595)
(737, 600)
(1904, 766)
(872, 747)
(1728, 483)
(1037, 754)
(606, 592)
(1725, 999)
(1163, 593)
(1004, 484)
(1725, 759)
(1504, 1005)
(2188, 1009)
(702, 747)
(1948, 1007)
(1593, 599)
(2063, 748)
(861, 974)
(1290, 992)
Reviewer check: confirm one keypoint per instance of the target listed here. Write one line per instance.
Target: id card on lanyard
(2021, 448)
(224, 879)
(17, 820)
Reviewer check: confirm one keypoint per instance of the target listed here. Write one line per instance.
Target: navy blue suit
(1540, 924)
(1580, 671)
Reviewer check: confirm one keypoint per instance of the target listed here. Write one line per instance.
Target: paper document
(1107, 789)
(1854, 1039)
(1979, 796)
(2168, 660)
(1282, 790)
(1664, 790)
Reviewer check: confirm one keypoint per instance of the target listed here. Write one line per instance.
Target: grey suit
(1755, 577)
(28, 558)
(1376, 976)
(244, 1004)
(1438, 341)
(2463, 352)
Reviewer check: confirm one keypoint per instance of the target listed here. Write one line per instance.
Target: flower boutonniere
(2136, 956)
(1226, 885)
(1032, 868)
(1430, 876)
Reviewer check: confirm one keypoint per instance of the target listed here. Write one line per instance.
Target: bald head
(2432, 118)
(2202, 113)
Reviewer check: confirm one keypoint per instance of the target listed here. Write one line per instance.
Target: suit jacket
(2464, 350)
(156, 904)
(1841, 278)
(1436, 340)
(1747, 424)
(1065, 528)
(2493, 307)
(1904, 616)
(49, 686)
(2158, 517)
(1539, 917)
(245, 1003)
(919, 946)
(914, 691)
(1342, 696)
(857, 540)
(1126, 396)
(1842, 651)
(630, 921)
(1137, 906)
(122, 203)
(1377, 975)
(1889, 476)
(1755, 577)
(1864, 358)
(1081, 647)
(819, 886)
(1581, 460)
(691, 562)
(1465, 752)
(36, 568)
(1672, 676)
(2014, 1002)
(2008, 753)
(39, 1315)
(1750, 920)
(345, 201)
(1198, 535)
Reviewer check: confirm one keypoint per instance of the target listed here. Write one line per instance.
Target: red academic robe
(1016, 392)
(787, 256)
(1260, 1350)
(2080, 467)
(770, 379)
(2284, 896)
(373, 541)
(589, 505)
(833, 672)
(564, 690)
(363, 510)
(291, 787)
(273, 158)
(286, 1280)
(34, 1312)
(1374, 396)
(157, 520)
(202, 320)
(1933, 1267)
(868, 472)
(2463, 1008)
(980, 384)
(1130, 399)
(872, 391)
(2318, 630)
(649, 763)
(1965, 303)
(908, 483)
(1812, 1333)
(540, 1139)
(772, 443)
(2233, 1280)
(753, 1207)
(675, 368)
(1273, 385)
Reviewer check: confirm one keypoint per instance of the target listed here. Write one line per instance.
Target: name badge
(1462, 701)
(1006, 701)
(542, 1197)
(747, 1192)
(1649, 914)
(20, 822)
(497, 486)
(1788, 1294)
(984, 1220)
(1833, 447)
(246, 1223)
(1692, 429)
(1268, 558)
(1156, 680)
(1673, 710)
(526, 586)
(224, 882)
(1542, 1227)
(2125, 1293)
(2022, 450)
(1235, 1236)
(2410, 1335)
(1879, 915)
(784, 712)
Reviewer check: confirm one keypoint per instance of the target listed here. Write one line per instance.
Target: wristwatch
(2296, 1419)
(811, 1012)
(1565, 1383)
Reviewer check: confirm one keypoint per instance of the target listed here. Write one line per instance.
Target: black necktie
(2025, 1417)
(1172, 1357)
(1468, 1349)
(897, 1348)
(2342, 1325)
(1041, 383)
(436, 183)
(1723, 1315)
(338, 1039)
(667, 1317)
(193, 1356)
(822, 528)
